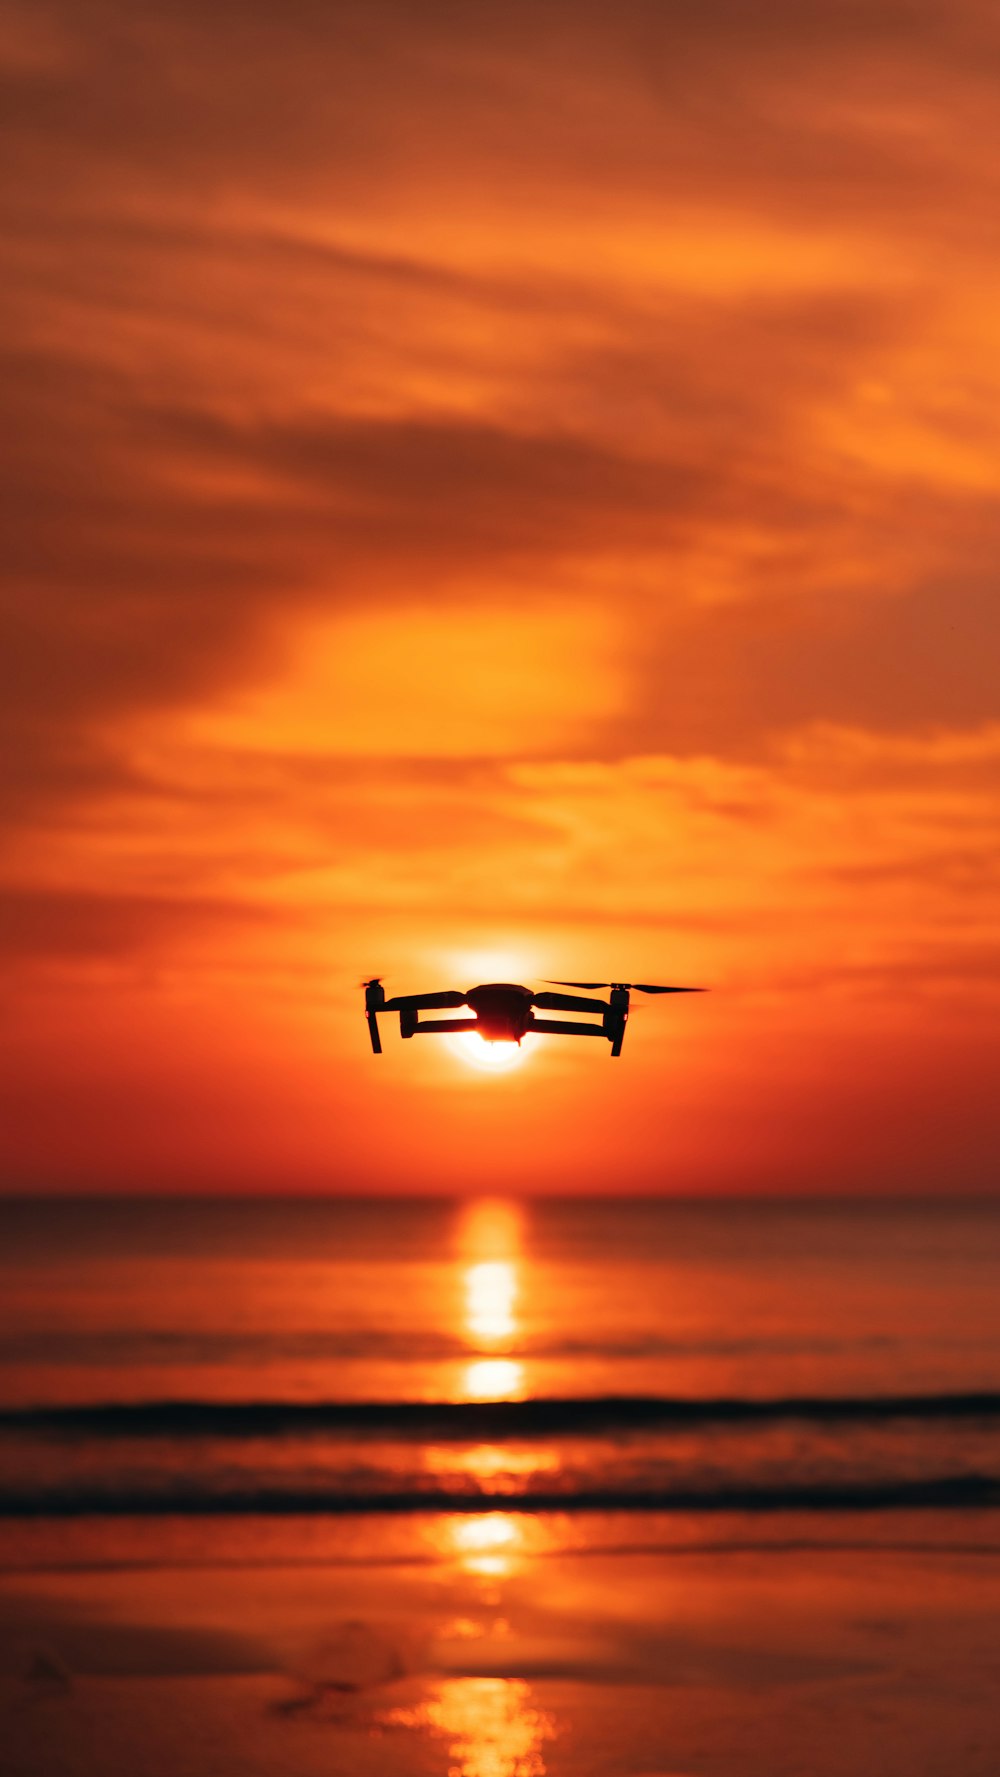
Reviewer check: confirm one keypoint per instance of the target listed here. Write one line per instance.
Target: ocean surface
(236, 1370)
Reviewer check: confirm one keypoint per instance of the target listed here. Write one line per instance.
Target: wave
(495, 1420)
(942, 1492)
(41, 1345)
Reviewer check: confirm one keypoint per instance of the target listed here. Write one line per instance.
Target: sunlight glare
(494, 1058)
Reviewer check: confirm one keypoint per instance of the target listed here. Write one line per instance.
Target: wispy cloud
(477, 468)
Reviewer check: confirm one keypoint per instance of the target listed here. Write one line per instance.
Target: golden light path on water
(487, 1541)
(489, 1241)
(493, 1379)
(491, 1464)
(491, 1290)
(490, 1724)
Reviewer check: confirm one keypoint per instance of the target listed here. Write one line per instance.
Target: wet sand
(749, 1664)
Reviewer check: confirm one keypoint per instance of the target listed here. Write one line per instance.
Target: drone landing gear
(616, 1018)
(374, 1004)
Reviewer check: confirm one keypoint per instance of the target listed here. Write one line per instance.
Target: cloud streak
(489, 471)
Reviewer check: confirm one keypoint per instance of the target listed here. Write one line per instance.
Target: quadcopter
(504, 1013)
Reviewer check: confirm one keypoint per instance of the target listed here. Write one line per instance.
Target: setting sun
(500, 513)
(475, 1051)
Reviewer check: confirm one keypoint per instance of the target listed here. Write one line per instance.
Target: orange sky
(500, 491)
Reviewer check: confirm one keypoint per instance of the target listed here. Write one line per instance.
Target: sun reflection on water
(495, 1543)
(493, 1535)
(493, 1379)
(489, 1228)
(494, 1465)
(489, 1237)
(490, 1294)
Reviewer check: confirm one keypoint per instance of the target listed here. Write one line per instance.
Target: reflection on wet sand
(491, 1726)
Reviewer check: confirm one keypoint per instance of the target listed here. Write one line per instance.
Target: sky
(500, 492)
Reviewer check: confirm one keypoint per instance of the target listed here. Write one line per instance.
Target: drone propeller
(630, 986)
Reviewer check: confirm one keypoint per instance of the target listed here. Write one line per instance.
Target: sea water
(335, 1372)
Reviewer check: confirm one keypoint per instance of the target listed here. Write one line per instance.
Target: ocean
(255, 1377)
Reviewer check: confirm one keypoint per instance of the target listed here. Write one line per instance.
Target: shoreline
(753, 1663)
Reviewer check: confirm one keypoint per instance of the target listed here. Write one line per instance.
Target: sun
(492, 1058)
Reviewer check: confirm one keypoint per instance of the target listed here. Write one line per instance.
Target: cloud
(824, 863)
(495, 467)
(670, 330)
(54, 927)
(459, 683)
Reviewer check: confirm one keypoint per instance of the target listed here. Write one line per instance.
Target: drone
(504, 1013)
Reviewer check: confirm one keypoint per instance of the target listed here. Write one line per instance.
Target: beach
(744, 1662)
(490, 1490)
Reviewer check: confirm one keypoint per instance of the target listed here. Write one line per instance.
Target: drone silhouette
(504, 1013)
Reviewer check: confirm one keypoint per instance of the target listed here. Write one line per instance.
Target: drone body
(503, 1012)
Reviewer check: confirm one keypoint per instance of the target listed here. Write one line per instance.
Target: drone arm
(568, 1002)
(437, 1025)
(416, 1002)
(561, 1027)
